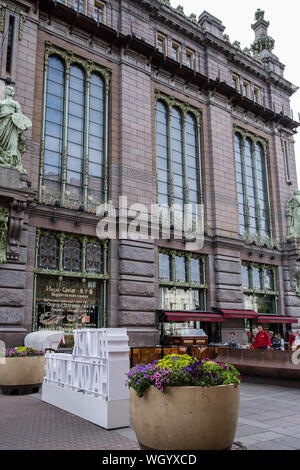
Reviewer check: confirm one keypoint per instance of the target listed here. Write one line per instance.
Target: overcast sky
(284, 28)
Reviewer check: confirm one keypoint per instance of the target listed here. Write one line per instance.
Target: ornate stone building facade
(135, 99)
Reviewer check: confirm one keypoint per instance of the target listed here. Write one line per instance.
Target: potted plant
(184, 403)
(21, 371)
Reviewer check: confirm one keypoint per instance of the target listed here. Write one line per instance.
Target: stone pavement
(269, 419)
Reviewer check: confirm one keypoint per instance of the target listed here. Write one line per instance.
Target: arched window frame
(185, 109)
(258, 209)
(89, 67)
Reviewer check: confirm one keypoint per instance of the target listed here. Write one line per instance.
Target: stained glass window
(48, 257)
(72, 255)
(94, 258)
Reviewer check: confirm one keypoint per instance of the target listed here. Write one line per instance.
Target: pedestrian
(250, 336)
(296, 343)
(232, 341)
(291, 339)
(261, 339)
(271, 335)
(276, 342)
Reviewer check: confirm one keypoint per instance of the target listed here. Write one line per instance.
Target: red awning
(238, 313)
(276, 319)
(194, 316)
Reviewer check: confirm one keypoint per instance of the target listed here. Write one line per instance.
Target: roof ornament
(259, 15)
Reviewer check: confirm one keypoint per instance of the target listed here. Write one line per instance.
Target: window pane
(164, 267)
(48, 252)
(246, 277)
(72, 255)
(53, 123)
(180, 299)
(94, 258)
(180, 269)
(197, 271)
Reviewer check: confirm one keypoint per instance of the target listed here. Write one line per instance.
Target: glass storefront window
(70, 281)
(68, 303)
(260, 303)
(180, 299)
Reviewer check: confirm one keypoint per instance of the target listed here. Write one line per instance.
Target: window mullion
(65, 133)
(86, 138)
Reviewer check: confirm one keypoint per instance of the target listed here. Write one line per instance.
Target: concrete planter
(21, 375)
(186, 418)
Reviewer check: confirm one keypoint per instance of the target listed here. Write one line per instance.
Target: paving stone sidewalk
(269, 419)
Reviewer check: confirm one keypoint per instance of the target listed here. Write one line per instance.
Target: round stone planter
(186, 418)
(21, 375)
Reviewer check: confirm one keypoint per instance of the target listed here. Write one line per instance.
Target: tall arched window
(252, 186)
(54, 118)
(73, 166)
(177, 157)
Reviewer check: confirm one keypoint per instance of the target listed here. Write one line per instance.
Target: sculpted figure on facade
(4, 214)
(12, 124)
(293, 215)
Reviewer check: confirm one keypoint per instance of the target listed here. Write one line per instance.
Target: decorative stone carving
(259, 14)
(4, 214)
(12, 124)
(263, 43)
(15, 230)
(293, 215)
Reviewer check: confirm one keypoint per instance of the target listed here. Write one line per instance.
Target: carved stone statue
(4, 214)
(259, 14)
(293, 215)
(12, 124)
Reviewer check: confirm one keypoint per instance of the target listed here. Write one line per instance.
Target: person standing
(261, 339)
(291, 339)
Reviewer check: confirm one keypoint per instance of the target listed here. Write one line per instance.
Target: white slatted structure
(90, 382)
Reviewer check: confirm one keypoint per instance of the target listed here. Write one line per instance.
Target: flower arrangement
(22, 351)
(181, 371)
